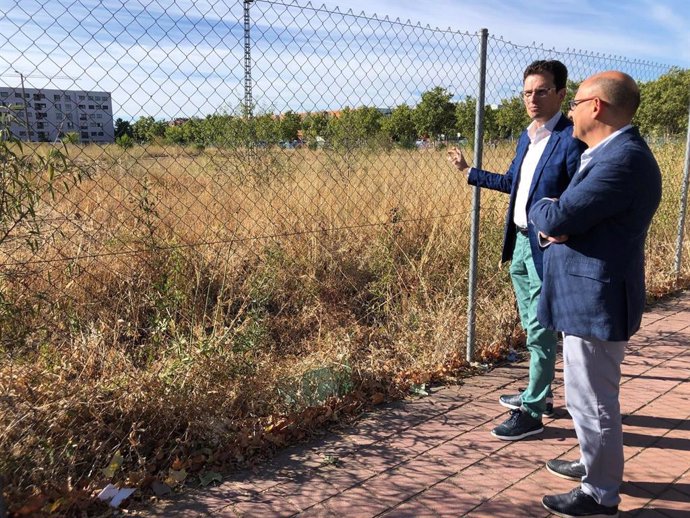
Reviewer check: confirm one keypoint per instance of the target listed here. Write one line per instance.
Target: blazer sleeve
(497, 181)
(606, 191)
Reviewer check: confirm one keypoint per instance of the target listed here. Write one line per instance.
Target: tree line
(435, 118)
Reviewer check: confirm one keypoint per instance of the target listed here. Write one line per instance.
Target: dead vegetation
(185, 313)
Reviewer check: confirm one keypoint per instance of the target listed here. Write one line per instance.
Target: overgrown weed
(203, 318)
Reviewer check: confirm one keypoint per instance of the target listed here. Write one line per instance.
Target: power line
(39, 76)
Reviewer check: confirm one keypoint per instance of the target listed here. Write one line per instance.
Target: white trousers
(592, 375)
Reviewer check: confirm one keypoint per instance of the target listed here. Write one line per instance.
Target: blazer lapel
(521, 151)
(582, 174)
(548, 150)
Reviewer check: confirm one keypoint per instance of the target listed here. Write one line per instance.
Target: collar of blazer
(606, 151)
(563, 123)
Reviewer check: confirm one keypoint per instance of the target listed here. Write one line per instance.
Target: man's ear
(597, 107)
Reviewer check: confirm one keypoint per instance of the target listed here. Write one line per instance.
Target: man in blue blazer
(545, 160)
(594, 284)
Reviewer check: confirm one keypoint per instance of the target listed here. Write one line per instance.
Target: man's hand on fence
(456, 158)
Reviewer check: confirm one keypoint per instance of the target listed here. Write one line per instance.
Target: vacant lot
(189, 309)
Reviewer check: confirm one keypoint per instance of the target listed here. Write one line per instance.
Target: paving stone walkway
(434, 456)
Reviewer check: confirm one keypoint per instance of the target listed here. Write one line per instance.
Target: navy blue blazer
(556, 167)
(594, 282)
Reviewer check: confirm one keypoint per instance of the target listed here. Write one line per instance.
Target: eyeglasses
(539, 92)
(573, 104)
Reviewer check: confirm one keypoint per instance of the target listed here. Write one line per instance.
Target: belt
(522, 230)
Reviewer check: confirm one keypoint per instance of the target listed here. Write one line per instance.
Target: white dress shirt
(538, 138)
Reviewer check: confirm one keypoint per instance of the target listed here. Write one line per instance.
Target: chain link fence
(270, 219)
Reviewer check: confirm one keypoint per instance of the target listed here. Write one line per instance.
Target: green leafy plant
(71, 138)
(24, 179)
(124, 141)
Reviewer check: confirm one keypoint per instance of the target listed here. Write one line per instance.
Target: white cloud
(609, 27)
(189, 60)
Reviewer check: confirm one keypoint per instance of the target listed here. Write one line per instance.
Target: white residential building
(51, 114)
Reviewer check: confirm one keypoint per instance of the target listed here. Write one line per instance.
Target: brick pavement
(434, 456)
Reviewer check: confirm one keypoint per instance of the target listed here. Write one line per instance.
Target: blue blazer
(556, 167)
(594, 282)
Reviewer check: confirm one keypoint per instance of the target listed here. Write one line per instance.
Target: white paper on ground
(121, 495)
(115, 494)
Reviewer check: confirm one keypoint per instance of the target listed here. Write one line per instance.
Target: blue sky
(185, 57)
(657, 30)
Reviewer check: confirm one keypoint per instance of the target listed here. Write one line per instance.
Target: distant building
(52, 114)
(180, 121)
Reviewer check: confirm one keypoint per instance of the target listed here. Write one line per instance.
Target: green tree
(399, 126)
(290, 124)
(217, 129)
(193, 134)
(123, 127)
(664, 106)
(490, 123)
(354, 128)
(570, 91)
(229, 131)
(465, 113)
(264, 129)
(511, 118)
(175, 135)
(316, 125)
(147, 129)
(435, 113)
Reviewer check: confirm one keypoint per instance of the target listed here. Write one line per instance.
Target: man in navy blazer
(594, 284)
(545, 160)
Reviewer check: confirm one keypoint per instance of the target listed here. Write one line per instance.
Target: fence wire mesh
(505, 65)
(270, 219)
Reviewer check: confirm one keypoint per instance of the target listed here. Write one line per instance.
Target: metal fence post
(474, 234)
(683, 202)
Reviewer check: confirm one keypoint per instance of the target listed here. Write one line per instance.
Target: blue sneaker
(518, 426)
(514, 401)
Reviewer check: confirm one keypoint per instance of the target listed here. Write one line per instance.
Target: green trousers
(541, 343)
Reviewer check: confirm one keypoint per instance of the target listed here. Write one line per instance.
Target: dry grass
(197, 309)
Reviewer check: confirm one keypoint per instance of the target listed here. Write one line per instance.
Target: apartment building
(52, 114)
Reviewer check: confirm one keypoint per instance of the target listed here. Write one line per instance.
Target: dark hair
(551, 66)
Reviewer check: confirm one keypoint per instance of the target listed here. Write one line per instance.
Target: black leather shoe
(514, 401)
(569, 469)
(576, 504)
(518, 426)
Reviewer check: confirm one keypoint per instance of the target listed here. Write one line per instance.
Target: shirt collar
(589, 152)
(536, 133)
